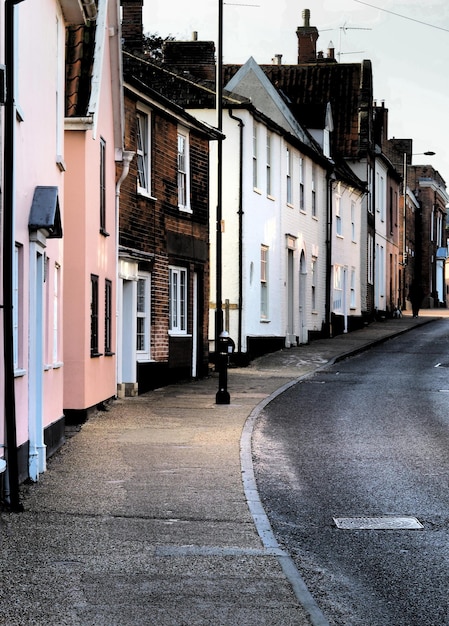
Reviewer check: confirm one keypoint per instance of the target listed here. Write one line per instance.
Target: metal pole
(8, 249)
(222, 396)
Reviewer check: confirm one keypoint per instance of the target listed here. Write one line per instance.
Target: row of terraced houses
(117, 184)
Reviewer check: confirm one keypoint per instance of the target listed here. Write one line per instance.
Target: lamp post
(222, 395)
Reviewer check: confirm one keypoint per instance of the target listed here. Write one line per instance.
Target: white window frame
(370, 259)
(143, 150)
(314, 194)
(56, 312)
(143, 320)
(302, 206)
(353, 303)
(183, 167)
(289, 176)
(353, 234)
(255, 156)
(338, 217)
(16, 308)
(178, 300)
(338, 289)
(269, 164)
(313, 282)
(264, 274)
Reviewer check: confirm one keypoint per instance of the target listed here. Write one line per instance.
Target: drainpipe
(127, 157)
(328, 321)
(8, 249)
(240, 214)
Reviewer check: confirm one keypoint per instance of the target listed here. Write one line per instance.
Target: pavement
(150, 515)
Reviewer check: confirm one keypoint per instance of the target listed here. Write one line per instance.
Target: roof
(308, 88)
(167, 89)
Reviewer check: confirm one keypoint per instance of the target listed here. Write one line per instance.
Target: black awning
(45, 213)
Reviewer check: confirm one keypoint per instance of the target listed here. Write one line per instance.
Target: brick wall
(156, 226)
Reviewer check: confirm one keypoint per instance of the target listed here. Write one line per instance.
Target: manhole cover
(378, 523)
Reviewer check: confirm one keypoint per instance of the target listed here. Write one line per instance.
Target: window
(108, 317)
(56, 308)
(313, 277)
(16, 309)
(313, 192)
(338, 288)
(264, 282)
(102, 186)
(353, 303)
(353, 235)
(370, 259)
(301, 185)
(178, 300)
(183, 171)
(289, 176)
(143, 317)
(338, 220)
(94, 315)
(255, 148)
(143, 151)
(269, 164)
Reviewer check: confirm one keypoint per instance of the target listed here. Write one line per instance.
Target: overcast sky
(406, 40)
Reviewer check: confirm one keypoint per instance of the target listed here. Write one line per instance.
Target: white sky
(410, 54)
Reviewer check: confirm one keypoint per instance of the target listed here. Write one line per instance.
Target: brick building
(163, 231)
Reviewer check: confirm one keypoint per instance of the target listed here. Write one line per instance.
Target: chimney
(277, 59)
(307, 38)
(331, 50)
(132, 26)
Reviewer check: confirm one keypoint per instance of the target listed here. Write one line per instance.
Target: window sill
(95, 355)
(265, 320)
(272, 198)
(19, 372)
(145, 194)
(104, 232)
(173, 333)
(257, 190)
(185, 209)
(109, 353)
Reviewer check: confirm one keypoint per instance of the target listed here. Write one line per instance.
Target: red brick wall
(156, 225)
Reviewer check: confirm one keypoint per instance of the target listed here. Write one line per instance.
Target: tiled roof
(308, 88)
(79, 60)
(184, 89)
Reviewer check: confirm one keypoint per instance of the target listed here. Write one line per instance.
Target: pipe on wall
(240, 214)
(12, 491)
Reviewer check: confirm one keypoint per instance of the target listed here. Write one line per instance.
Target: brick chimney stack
(132, 24)
(307, 38)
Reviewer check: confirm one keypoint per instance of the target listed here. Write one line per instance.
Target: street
(365, 438)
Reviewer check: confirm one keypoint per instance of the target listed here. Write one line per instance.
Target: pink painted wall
(89, 381)
(35, 164)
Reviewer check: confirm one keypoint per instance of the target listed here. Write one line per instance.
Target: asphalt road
(366, 441)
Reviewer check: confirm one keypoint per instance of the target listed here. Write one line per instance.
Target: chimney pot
(277, 59)
(195, 35)
(306, 17)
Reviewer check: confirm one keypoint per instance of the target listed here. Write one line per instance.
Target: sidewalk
(149, 515)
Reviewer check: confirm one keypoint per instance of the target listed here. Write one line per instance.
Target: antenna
(343, 29)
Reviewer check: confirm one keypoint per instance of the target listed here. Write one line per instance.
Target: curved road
(366, 442)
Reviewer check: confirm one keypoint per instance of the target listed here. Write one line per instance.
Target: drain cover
(378, 523)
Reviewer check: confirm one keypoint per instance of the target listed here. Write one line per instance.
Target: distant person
(416, 295)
